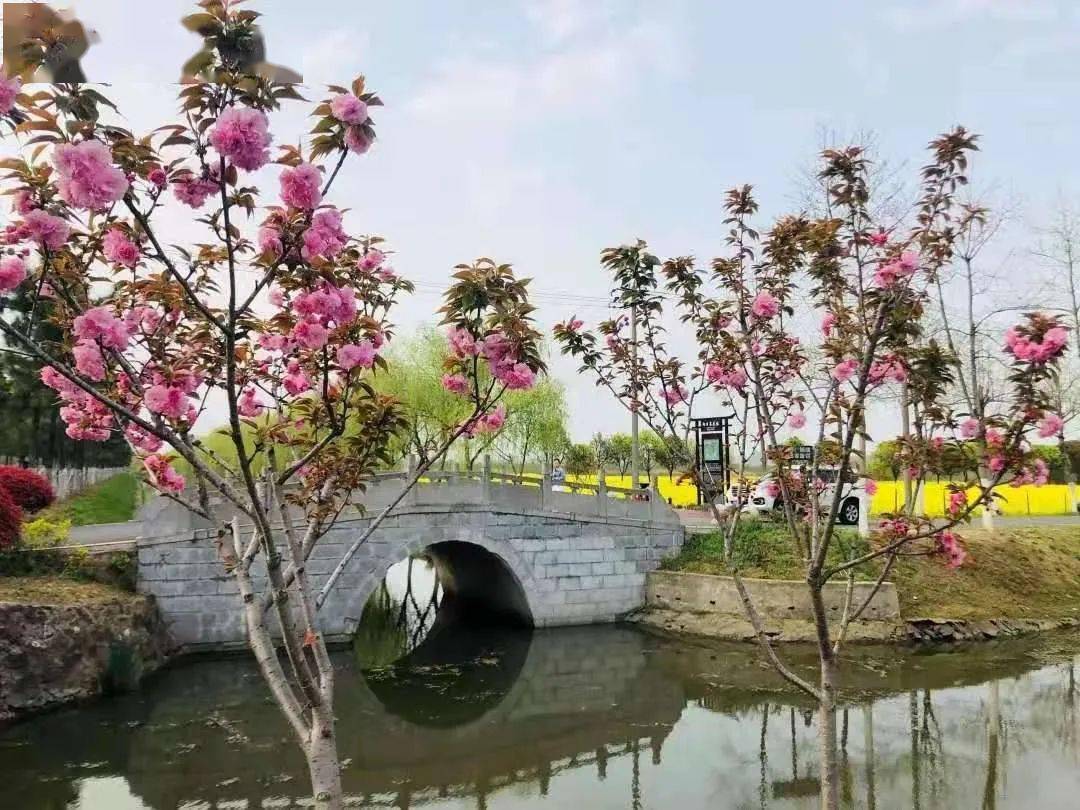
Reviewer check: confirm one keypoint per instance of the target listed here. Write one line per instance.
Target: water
(600, 717)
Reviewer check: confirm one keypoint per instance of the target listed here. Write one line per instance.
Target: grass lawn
(112, 501)
(57, 590)
(1029, 573)
(762, 550)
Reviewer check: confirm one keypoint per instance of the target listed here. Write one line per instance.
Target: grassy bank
(111, 501)
(1031, 573)
(58, 590)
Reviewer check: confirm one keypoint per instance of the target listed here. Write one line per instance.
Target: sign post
(712, 457)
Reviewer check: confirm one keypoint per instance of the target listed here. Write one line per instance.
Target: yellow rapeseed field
(1052, 499)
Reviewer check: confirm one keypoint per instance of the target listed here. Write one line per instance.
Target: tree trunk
(830, 793)
(830, 784)
(322, 759)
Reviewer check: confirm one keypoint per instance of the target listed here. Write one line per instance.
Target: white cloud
(911, 16)
(335, 57)
(588, 73)
(559, 20)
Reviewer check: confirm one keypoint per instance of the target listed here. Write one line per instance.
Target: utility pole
(635, 446)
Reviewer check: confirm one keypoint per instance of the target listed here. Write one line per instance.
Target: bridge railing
(541, 491)
(447, 488)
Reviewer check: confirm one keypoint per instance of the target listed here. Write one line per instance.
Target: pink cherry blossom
(765, 306)
(360, 354)
(141, 439)
(828, 321)
(310, 334)
(169, 401)
(242, 135)
(495, 419)
(886, 369)
(301, 187)
(48, 231)
(157, 177)
(162, 475)
(357, 140)
(797, 420)
(871, 487)
(193, 191)
(87, 177)
(575, 325)
(387, 274)
(462, 342)
(879, 239)
(9, 90)
(348, 109)
(845, 370)
(119, 249)
(86, 418)
(371, 260)
(675, 394)
(249, 404)
(517, 377)
(455, 383)
(88, 360)
(996, 464)
(270, 242)
(497, 348)
(969, 428)
(772, 488)
(1042, 473)
(909, 262)
(296, 381)
(99, 323)
(12, 273)
(276, 296)
(994, 438)
(22, 202)
(325, 237)
(957, 503)
(1050, 426)
(949, 545)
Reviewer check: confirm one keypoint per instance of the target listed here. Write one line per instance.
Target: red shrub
(29, 490)
(10, 521)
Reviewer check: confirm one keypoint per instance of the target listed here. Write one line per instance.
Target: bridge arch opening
(444, 636)
(450, 590)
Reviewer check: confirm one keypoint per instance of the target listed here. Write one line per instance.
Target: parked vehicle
(759, 498)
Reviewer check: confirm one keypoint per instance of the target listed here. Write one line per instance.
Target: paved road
(105, 534)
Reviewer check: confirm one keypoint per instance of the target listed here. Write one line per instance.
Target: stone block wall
(709, 605)
(572, 569)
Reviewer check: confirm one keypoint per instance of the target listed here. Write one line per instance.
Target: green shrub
(45, 533)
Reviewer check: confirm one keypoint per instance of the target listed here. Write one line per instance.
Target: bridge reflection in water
(586, 717)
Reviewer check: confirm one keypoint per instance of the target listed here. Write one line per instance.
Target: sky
(538, 132)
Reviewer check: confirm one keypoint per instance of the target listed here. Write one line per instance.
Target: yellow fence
(1052, 499)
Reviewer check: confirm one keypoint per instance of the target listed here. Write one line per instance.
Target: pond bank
(105, 641)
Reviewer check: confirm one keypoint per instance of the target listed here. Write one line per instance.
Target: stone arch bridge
(502, 543)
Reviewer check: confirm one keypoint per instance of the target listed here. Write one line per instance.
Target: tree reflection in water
(395, 621)
(585, 717)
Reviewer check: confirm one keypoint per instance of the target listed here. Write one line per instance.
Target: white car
(757, 499)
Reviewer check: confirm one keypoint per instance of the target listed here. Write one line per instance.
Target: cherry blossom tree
(866, 288)
(275, 316)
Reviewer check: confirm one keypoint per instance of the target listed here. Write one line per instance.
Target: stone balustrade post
(601, 491)
(485, 479)
(654, 496)
(411, 464)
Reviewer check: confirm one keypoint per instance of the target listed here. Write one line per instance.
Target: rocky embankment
(55, 654)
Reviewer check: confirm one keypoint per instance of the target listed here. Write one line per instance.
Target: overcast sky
(538, 132)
